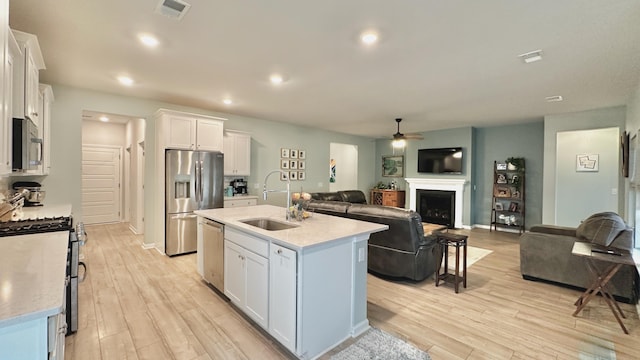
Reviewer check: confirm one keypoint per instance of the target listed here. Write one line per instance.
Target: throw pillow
(601, 228)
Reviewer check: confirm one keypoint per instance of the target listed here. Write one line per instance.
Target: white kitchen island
(307, 285)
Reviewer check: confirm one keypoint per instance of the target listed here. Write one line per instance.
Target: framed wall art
(393, 165)
(587, 162)
(284, 153)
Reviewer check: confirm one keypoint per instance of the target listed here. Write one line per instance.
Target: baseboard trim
(488, 227)
(360, 328)
(148, 246)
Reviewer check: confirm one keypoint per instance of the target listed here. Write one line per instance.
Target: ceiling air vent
(174, 9)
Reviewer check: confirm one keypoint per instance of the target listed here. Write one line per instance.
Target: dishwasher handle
(212, 224)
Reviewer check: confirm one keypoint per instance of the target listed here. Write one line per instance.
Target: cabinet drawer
(253, 244)
(240, 202)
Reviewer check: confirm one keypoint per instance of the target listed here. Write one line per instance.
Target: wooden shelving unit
(508, 202)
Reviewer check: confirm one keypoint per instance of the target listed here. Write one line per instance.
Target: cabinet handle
(34, 114)
(279, 251)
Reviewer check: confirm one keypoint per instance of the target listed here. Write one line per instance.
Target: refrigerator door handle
(200, 182)
(198, 185)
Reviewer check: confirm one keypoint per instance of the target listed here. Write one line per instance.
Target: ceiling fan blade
(414, 137)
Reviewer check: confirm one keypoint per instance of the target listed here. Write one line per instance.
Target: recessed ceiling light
(276, 79)
(227, 101)
(104, 118)
(531, 56)
(125, 80)
(148, 40)
(555, 98)
(369, 38)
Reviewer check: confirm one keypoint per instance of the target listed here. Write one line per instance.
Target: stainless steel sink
(268, 224)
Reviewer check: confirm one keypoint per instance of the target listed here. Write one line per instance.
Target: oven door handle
(84, 272)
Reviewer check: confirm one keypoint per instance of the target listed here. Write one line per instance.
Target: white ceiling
(439, 64)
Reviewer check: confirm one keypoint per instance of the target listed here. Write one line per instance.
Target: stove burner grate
(35, 226)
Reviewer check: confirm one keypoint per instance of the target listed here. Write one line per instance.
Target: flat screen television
(440, 161)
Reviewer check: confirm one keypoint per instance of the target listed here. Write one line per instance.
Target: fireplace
(455, 186)
(437, 206)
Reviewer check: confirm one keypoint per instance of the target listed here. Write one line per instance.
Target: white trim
(456, 185)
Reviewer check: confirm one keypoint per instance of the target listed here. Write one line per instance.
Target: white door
(100, 184)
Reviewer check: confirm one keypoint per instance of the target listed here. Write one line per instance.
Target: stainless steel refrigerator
(194, 180)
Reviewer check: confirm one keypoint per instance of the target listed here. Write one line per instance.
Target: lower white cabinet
(246, 275)
(282, 295)
(239, 201)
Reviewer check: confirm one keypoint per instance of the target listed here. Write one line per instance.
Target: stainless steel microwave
(27, 145)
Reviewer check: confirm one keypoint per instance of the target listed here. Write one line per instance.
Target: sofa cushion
(554, 230)
(353, 196)
(601, 228)
(338, 208)
(326, 196)
(405, 226)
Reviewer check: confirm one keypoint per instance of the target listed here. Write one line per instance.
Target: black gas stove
(35, 226)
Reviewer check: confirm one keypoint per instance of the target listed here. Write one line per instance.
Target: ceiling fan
(399, 138)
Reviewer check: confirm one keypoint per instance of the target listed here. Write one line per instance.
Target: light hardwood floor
(139, 304)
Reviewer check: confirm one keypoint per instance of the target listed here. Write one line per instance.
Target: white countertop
(32, 276)
(316, 230)
(35, 212)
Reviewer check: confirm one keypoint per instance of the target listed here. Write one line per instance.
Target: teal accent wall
(497, 144)
(481, 147)
(459, 137)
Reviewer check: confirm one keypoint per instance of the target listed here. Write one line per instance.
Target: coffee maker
(239, 186)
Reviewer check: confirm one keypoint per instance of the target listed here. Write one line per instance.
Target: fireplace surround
(454, 185)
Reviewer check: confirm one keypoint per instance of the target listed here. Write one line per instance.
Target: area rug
(474, 254)
(376, 344)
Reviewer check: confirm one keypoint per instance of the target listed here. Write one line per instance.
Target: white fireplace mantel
(456, 185)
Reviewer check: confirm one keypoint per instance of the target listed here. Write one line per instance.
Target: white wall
(578, 193)
(346, 158)
(584, 120)
(64, 182)
(103, 133)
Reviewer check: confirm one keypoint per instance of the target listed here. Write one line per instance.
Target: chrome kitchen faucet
(288, 191)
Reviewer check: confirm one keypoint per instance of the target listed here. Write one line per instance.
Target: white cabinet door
(237, 154)
(228, 148)
(209, 135)
(282, 290)
(45, 131)
(234, 273)
(242, 156)
(6, 89)
(257, 288)
(32, 91)
(181, 132)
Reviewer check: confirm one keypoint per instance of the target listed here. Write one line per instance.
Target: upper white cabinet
(237, 153)
(6, 83)
(190, 131)
(26, 78)
(44, 108)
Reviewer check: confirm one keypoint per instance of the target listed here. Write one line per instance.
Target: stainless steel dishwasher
(213, 253)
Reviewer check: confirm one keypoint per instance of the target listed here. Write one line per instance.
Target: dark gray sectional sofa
(545, 254)
(402, 251)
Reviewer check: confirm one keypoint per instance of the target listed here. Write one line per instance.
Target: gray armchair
(545, 254)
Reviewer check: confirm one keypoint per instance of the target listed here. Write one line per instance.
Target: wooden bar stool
(445, 240)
